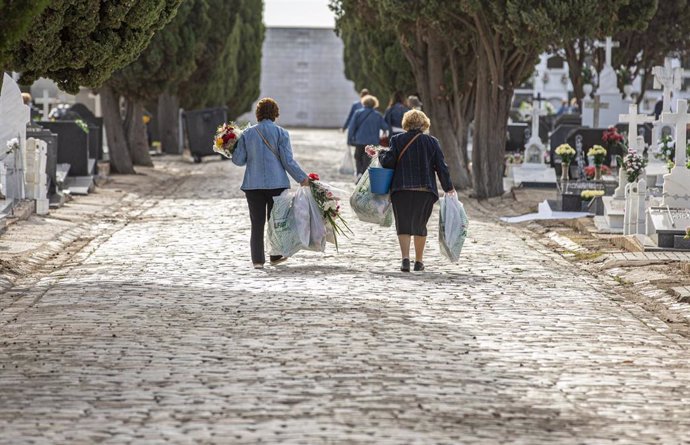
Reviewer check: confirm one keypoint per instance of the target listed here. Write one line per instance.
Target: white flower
(13, 144)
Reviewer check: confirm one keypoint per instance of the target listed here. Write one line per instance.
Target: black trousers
(260, 206)
(362, 159)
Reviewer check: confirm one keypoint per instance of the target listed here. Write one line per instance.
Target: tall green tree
(374, 59)
(81, 42)
(16, 17)
(169, 60)
(601, 19)
(643, 47)
(486, 49)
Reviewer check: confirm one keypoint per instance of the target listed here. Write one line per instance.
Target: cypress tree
(16, 17)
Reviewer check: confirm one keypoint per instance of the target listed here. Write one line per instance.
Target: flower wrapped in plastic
(369, 207)
(226, 138)
(453, 225)
(328, 199)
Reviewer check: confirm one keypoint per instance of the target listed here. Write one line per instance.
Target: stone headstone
(518, 133)
(665, 224)
(14, 116)
(73, 147)
(634, 120)
(96, 124)
(51, 140)
(36, 177)
(201, 125)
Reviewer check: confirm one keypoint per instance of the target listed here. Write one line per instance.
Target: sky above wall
(298, 13)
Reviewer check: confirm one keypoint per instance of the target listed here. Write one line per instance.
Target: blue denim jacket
(394, 115)
(420, 164)
(353, 109)
(365, 126)
(264, 170)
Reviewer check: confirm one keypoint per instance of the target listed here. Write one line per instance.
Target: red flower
(314, 176)
(226, 138)
(232, 136)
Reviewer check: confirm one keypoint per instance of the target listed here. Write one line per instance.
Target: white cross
(46, 101)
(670, 79)
(680, 119)
(596, 105)
(633, 120)
(608, 44)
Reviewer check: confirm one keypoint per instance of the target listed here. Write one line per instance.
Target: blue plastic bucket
(380, 180)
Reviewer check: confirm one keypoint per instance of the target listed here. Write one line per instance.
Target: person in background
(564, 109)
(395, 112)
(266, 151)
(417, 159)
(414, 103)
(365, 128)
(574, 107)
(357, 105)
(28, 100)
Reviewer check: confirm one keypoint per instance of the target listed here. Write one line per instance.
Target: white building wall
(303, 70)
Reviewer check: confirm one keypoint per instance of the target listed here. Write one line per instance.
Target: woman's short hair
(267, 108)
(416, 120)
(370, 101)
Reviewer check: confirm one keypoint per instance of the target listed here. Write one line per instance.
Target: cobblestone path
(158, 331)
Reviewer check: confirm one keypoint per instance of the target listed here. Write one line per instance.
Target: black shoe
(405, 267)
(275, 260)
(418, 266)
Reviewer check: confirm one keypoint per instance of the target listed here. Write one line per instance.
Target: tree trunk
(427, 59)
(575, 60)
(136, 134)
(120, 159)
(492, 109)
(169, 123)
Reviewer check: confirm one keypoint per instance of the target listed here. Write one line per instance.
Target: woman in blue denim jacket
(417, 159)
(266, 151)
(364, 129)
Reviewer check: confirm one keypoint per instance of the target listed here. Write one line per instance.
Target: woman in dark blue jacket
(364, 129)
(417, 159)
(395, 112)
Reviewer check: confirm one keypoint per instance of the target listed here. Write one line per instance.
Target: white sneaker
(258, 266)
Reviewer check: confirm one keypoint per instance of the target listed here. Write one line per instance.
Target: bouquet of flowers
(588, 74)
(566, 152)
(613, 140)
(633, 164)
(328, 203)
(598, 153)
(373, 150)
(667, 148)
(591, 171)
(588, 195)
(226, 139)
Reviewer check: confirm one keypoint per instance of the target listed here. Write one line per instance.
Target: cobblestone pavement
(158, 331)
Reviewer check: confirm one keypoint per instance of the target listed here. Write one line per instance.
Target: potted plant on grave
(666, 147)
(588, 74)
(614, 142)
(633, 164)
(590, 171)
(567, 154)
(625, 81)
(592, 198)
(599, 154)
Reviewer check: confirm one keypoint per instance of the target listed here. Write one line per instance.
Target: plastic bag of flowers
(309, 223)
(368, 207)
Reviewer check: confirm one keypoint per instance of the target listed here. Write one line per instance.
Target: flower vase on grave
(597, 172)
(565, 171)
(587, 89)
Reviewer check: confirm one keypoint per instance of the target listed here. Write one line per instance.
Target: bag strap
(404, 150)
(270, 147)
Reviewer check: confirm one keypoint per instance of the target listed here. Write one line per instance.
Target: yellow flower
(565, 149)
(597, 150)
(219, 142)
(591, 194)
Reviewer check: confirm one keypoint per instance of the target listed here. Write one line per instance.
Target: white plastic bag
(369, 207)
(283, 238)
(309, 223)
(347, 166)
(453, 225)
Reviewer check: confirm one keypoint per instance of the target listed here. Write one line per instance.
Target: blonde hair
(416, 120)
(370, 101)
